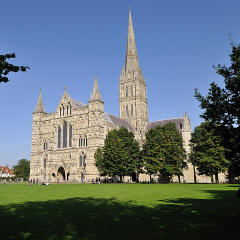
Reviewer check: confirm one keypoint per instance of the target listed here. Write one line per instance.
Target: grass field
(119, 211)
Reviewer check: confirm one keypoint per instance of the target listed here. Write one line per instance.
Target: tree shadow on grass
(90, 218)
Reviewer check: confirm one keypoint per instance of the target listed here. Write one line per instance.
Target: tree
(222, 109)
(207, 151)
(6, 68)
(163, 152)
(120, 155)
(22, 169)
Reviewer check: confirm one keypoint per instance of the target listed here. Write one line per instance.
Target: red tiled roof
(6, 169)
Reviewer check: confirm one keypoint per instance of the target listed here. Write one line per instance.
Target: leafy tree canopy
(222, 109)
(22, 169)
(207, 151)
(6, 68)
(163, 152)
(120, 155)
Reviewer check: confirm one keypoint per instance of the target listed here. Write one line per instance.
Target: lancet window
(82, 161)
(45, 146)
(64, 135)
(70, 136)
(45, 162)
(127, 112)
(59, 137)
(83, 141)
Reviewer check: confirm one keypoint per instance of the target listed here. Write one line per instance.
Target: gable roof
(77, 104)
(177, 121)
(118, 121)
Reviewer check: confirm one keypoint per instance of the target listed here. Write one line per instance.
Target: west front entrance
(61, 176)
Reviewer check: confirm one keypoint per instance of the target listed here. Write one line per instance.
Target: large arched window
(131, 110)
(59, 137)
(70, 135)
(64, 135)
(127, 112)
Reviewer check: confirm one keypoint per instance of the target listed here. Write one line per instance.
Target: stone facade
(64, 142)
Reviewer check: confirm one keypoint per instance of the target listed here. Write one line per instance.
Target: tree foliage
(222, 109)
(120, 155)
(6, 68)
(207, 151)
(163, 152)
(22, 169)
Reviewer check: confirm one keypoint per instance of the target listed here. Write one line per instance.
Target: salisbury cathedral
(64, 142)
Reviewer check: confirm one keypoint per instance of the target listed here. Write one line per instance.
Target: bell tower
(132, 86)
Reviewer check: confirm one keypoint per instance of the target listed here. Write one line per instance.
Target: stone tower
(132, 86)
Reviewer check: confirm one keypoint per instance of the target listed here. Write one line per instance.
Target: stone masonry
(64, 142)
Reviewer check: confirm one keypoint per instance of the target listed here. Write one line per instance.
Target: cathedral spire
(40, 107)
(131, 61)
(96, 95)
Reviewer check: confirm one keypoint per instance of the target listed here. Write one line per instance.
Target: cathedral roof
(118, 121)
(77, 104)
(177, 121)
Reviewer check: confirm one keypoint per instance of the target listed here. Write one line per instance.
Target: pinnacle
(96, 95)
(40, 107)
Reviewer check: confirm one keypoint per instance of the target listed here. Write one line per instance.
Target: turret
(95, 105)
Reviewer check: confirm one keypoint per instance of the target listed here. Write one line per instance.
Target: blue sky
(66, 42)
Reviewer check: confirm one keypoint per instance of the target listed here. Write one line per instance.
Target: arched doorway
(53, 177)
(61, 174)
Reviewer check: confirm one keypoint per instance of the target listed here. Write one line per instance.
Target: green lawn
(119, 211)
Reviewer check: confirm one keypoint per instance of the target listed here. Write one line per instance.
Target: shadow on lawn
(89, 218)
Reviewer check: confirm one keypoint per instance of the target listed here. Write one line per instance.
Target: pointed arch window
(70, 136)
(131, 91)
(45, 162)
(80, 162)
(59, 137)
(70, 109)
(84, 160)
(131, 110)
(64, 135)
(127, 112)
(126, 91)
(60, 111)
(67, 110)
(63, 110)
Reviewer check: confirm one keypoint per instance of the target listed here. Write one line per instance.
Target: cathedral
(64, 142)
